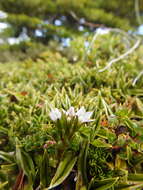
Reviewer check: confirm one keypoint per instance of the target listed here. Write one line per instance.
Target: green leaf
(6, 156)
(129, 154)
(133, 126)
(138, 160)
(83, 188)
(2, 185)
(82, 181)
(3, 130)
(120, 164)
(28, 187)
(85, 132)
(100, 143)
(128, 186)
(103, 184)
(24, 161)
(96, 127)
(64, 169)
(9, 167)
(139, 104)
(3, 176)
(105, 133)
(45, 170)
(135, 177)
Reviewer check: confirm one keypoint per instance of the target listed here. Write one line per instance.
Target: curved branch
(85, 23)
(137, 78)
(136, 45)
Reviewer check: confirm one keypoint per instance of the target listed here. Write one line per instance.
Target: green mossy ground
(27, 91)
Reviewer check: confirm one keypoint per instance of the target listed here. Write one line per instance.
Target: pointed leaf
(82, 170)
(6, 156)
(103, 184)
(24, 161)
(135, 177)
(2, 185)
(63, 169)
(129, 186)
(100, 143)
(45, 170)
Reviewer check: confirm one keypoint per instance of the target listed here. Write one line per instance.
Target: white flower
(70, 112)
(84, 116)
(55, 114)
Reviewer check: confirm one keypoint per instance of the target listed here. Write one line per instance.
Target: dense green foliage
(43, 21)
(67, 121)
(37, 153)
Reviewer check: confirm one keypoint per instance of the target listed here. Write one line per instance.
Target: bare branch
(130, 51)
(85, 23)
(137, 78)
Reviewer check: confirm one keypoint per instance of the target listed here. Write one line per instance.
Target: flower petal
(87, 115)
(55, 114)
(71, 112)
(84, 116)
(81, 111)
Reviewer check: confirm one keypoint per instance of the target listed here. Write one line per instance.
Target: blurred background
(29, 27)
